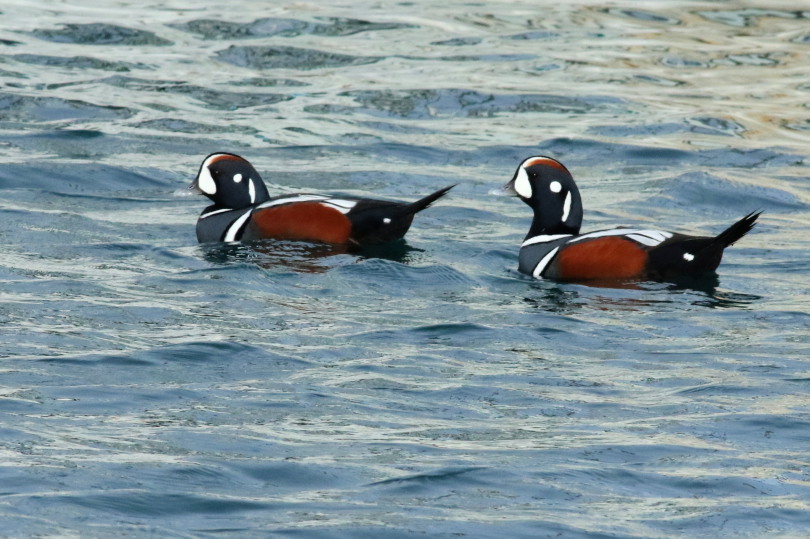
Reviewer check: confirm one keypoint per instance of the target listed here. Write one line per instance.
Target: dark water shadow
(697, 291)
(97, 33)
(395, 251)
(303, 257)
(271, 254)
(215, 29)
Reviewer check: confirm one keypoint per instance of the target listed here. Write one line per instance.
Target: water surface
(155, 387)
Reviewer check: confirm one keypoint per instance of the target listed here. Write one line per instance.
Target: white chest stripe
(544, 238)
(210, 213)
(645, 240)
(290, 200)
(339, 204)
(343, 206)
(538, 269)
(650, 238)
(230, 235)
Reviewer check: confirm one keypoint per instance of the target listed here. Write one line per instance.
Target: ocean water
(151, 386)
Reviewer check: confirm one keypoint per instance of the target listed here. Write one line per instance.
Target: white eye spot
(566, 206)
(688, 257)
(386, 220)
(555, 187)
(206, 182)
(237, 178)
(522, 185)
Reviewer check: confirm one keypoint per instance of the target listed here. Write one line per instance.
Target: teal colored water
(155, 387)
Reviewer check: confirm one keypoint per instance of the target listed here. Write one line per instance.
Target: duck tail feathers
(423, 203)
(736, 231)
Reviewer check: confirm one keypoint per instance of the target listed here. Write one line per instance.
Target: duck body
(554, 248)
(244, 211)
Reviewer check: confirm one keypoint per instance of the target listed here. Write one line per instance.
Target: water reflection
(303, 257)
(609, 295)
(358, 392)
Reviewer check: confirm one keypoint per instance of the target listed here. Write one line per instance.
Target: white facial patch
(555, 187)
(251, 189)
(688, 257)
(522, 185)
(237, 178)
(566, 205)
(387, 220)
(206, 182)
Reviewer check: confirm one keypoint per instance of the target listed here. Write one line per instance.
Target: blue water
(154, 387)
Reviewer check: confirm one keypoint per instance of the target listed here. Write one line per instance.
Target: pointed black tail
(423, 203)
(696, 256)
(737, 230)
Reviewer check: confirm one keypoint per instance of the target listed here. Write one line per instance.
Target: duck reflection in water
(699, 292)
(303, 257)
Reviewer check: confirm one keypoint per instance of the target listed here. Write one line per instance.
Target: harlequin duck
(554, 248)
(244, 211)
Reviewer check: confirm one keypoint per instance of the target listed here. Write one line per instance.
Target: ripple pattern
(156, 387)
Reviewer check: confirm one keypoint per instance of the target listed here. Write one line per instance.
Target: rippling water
(152, 386)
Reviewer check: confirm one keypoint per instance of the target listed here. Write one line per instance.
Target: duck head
(230, 181)
(550, 191)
